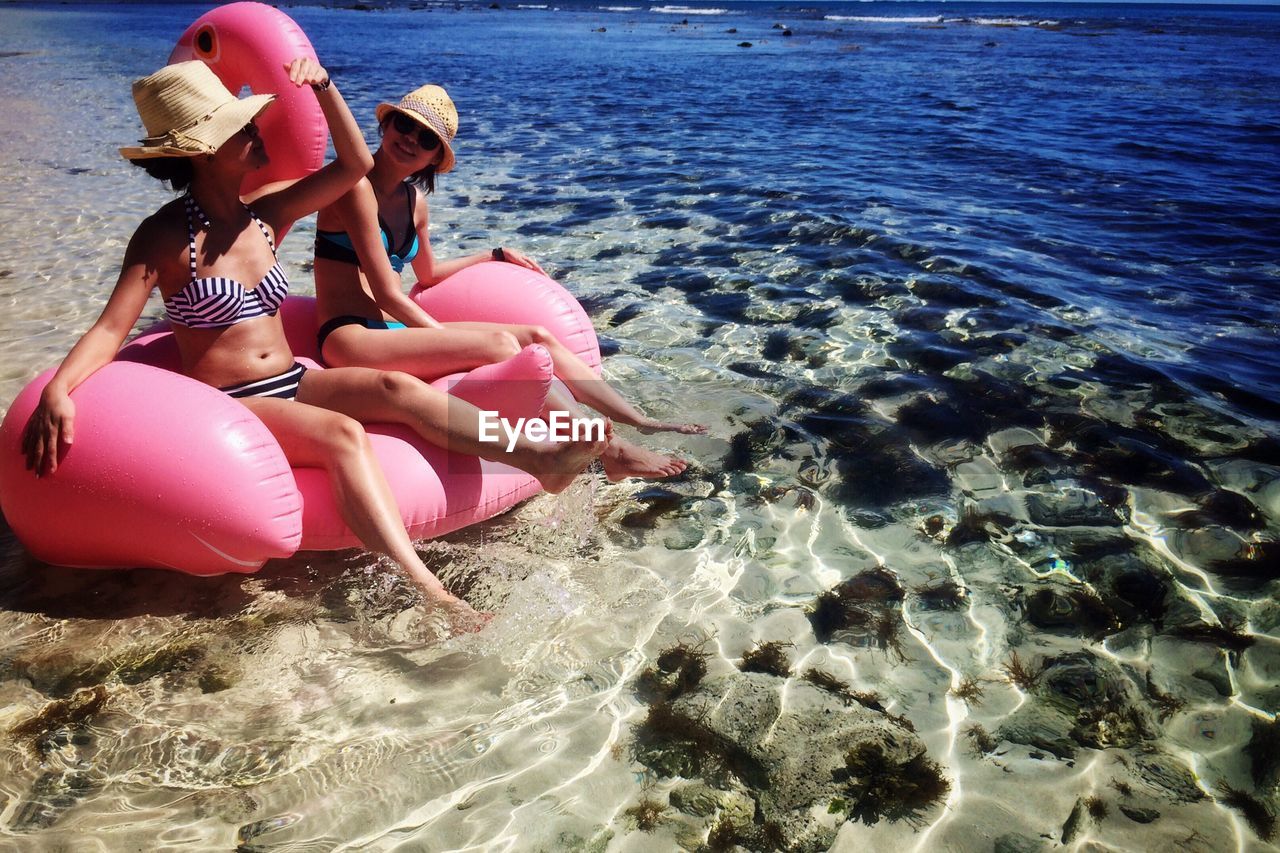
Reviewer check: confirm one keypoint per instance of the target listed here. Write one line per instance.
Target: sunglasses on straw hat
(427, 140)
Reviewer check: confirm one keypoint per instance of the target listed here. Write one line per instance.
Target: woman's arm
(431, 272)
(358, 211)
(321, 188)
(54, 417)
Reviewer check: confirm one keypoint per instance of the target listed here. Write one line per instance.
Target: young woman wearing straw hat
(364, 240)
(198, 249)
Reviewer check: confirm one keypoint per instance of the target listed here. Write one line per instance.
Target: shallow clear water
(969, 292)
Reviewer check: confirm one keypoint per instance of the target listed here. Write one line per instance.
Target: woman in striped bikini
(198, 249)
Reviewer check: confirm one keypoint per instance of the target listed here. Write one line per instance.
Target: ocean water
(979, 298)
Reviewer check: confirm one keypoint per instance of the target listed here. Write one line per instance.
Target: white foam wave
(1002, 22)
(874, 19)
(685, 10)
(530, 6)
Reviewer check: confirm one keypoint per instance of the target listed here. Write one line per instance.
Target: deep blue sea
(981, 294)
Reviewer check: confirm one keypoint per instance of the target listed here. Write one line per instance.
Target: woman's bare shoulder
(421, 212)
(161, 237)
(166, 224)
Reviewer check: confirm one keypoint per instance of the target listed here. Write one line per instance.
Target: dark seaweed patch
(1096, 807)
(648, 814)
(941, 594)
(1264, 753)
(674, 744)
(1025, 674)
(981, 740)
(866, 603)
(1226, 508)
(927, 352)
(876, 787)
(777, 345)
(1255, 812)
(930, 421)
(1256, 561)
(725, 835)
(824, 680)
(767, 658)
(969, 689)
(628, 312)
(1227, 636)
(1166, 704)
(678, 670)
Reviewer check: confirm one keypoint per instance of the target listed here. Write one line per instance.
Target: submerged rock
(1081, 700)
(805, 765)
(1012, 842)
(1071, 609)
(63, 715)
(1071, 508)
(1170, 775)
(1139, 815)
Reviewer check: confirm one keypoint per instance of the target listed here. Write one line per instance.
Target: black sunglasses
(427, 140)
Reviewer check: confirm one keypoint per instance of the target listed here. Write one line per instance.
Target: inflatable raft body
(167, 472)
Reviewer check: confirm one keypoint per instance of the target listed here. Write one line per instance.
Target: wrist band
(498, 254)
(322, 87)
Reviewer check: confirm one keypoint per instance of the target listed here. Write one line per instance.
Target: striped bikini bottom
(283, 385)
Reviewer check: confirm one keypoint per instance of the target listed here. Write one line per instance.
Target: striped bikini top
(214, 302)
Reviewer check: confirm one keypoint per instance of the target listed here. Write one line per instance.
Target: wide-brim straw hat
(431, 107)
(187, 111)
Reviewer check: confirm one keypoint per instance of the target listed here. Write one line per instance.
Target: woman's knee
(502, 346)
(345, 437)
(397, 386)
(539, 335)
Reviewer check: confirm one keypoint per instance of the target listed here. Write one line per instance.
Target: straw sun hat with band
(187, 112)
(431, 107)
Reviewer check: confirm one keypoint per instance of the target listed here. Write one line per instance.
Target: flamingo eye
(205, 43)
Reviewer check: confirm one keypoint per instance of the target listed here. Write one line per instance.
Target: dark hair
(425, 178)
(176, 171)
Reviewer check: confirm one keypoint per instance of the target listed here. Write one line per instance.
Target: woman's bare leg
(312, 437)
(622, 458)
(432, 353)
(393, 397)
(425, 353)
(582, 381)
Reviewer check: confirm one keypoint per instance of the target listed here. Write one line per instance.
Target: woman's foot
(556, 464)
(622, 459)
(648, 426)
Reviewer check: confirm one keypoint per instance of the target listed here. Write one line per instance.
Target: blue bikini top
(336, 245)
